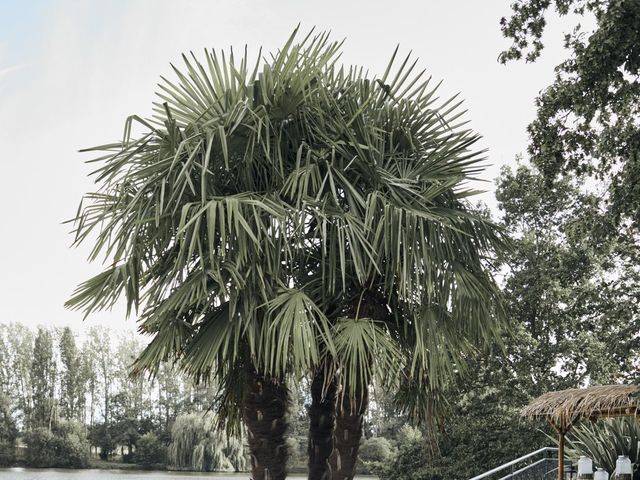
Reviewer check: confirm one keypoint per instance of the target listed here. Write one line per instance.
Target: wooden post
(561, 429)
(561, 455)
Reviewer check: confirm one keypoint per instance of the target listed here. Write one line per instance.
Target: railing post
(545, 455)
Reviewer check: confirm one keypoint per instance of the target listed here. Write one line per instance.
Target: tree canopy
(587, 119)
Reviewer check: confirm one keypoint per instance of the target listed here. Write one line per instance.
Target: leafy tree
(414, 461)
(129, 406)
(8, 432)
(101, 360)
(197, 444)
(126, 351)
(19, 341)
(587, 119)
(571, 289)
(71, 381)
(101, 436)
(88, 374)
(43, 378)
(572, 293)
(298, 425)
(169, 392)
(125, 425)
(5, 360)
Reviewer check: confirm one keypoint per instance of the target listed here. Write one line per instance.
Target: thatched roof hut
(564, 408)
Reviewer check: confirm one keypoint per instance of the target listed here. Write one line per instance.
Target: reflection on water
(59, 474)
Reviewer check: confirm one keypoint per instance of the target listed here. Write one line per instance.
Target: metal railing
(543, 468)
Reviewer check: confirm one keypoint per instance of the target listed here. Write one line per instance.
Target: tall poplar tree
(71, 379)
(43, 378)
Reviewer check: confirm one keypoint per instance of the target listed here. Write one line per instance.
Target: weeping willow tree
(293, 216)
(198, 444)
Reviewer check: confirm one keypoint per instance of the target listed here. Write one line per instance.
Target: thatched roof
(562, 409)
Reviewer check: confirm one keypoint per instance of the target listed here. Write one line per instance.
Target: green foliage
(271, 205)
(8, 432)
(150, 451)
(71, 400)
(64, 446)
(408, 434)
(196, 444)
(40, 443)
(481, 431)
(570, 288)
(373, 453)
(586, 122)
(414, 461)
(484, 433)
(102, 436)
(43, 377)
(298, 426)
(604, 440)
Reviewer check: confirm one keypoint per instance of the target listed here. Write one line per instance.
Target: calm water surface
(60, 474)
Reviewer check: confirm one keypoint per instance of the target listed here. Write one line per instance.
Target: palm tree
(294, 217)
(412, 296)
(194, 221)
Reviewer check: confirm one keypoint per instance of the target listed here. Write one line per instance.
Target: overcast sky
(72, 71)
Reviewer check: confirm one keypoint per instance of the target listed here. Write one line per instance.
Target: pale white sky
(72, 71)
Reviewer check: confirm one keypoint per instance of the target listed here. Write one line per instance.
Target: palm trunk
(350, 419)
(322, 421)
(264, 415)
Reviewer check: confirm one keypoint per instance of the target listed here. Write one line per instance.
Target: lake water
(60, 474)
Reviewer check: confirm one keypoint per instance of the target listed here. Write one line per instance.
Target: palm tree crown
(293, 210)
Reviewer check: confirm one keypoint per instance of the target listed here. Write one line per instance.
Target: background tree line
(68, 400)
(64, 402)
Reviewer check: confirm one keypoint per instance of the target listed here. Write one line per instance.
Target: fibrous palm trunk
(322, 421)
(264, 415)
(349, 425)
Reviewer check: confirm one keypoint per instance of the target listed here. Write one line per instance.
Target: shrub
(7, 453)
(412, 462)
(150, 451)
(64, 446)
(407, 434)
(373, 452)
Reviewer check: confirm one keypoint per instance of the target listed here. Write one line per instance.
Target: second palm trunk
(322, 421)
(349, 427)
